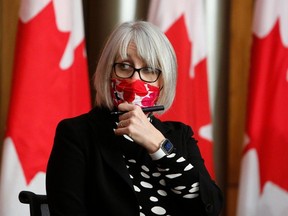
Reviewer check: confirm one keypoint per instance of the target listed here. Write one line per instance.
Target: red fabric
(191, 104)
(43, 93)
(136, 92)
(263, 188)
(268, 107)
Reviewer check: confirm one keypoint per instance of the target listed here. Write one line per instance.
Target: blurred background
(228, 26)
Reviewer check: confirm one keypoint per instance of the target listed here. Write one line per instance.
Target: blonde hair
(152, 46)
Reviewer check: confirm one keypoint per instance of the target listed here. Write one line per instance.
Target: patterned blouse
(158, 182)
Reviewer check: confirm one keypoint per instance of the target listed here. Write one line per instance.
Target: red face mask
(136, 92)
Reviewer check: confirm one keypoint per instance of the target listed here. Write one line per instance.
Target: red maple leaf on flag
(268, 108)
(42, 92)
(191, 104)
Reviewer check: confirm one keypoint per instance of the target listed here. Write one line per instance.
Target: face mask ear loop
(114, 91)
(116, 95)
(159, 94)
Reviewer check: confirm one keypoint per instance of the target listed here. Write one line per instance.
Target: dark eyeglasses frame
(135, 70)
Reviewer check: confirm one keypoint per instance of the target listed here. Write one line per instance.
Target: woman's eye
(124, 66)
(148, 70)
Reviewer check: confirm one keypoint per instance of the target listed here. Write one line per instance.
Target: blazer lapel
(103, 123)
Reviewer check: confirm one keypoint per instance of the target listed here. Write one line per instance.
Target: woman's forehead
(130, 51)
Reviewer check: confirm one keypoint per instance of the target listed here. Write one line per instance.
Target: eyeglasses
(146, 74)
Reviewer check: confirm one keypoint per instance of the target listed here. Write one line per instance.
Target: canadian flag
(50, 82)
(263, 187)
(184, 24)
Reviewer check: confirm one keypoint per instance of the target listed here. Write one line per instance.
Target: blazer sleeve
(211, 195)
(65, 183)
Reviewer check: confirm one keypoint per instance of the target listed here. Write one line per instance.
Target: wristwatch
(166, 148)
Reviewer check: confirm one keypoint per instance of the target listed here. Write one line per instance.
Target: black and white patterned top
(157, 183)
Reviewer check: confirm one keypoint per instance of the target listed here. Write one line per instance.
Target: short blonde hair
(152, 46)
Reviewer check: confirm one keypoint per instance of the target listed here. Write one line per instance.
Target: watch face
(167, 146)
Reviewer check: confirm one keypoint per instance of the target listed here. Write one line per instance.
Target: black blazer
(86, 174)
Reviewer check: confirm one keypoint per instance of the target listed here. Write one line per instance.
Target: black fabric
(87, 173)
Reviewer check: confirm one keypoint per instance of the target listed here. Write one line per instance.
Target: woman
(130, 163)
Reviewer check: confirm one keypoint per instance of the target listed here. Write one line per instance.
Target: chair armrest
(28, 197)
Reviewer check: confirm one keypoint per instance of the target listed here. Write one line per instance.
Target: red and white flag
(263, 187)
(184, 24)
(50, 82)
